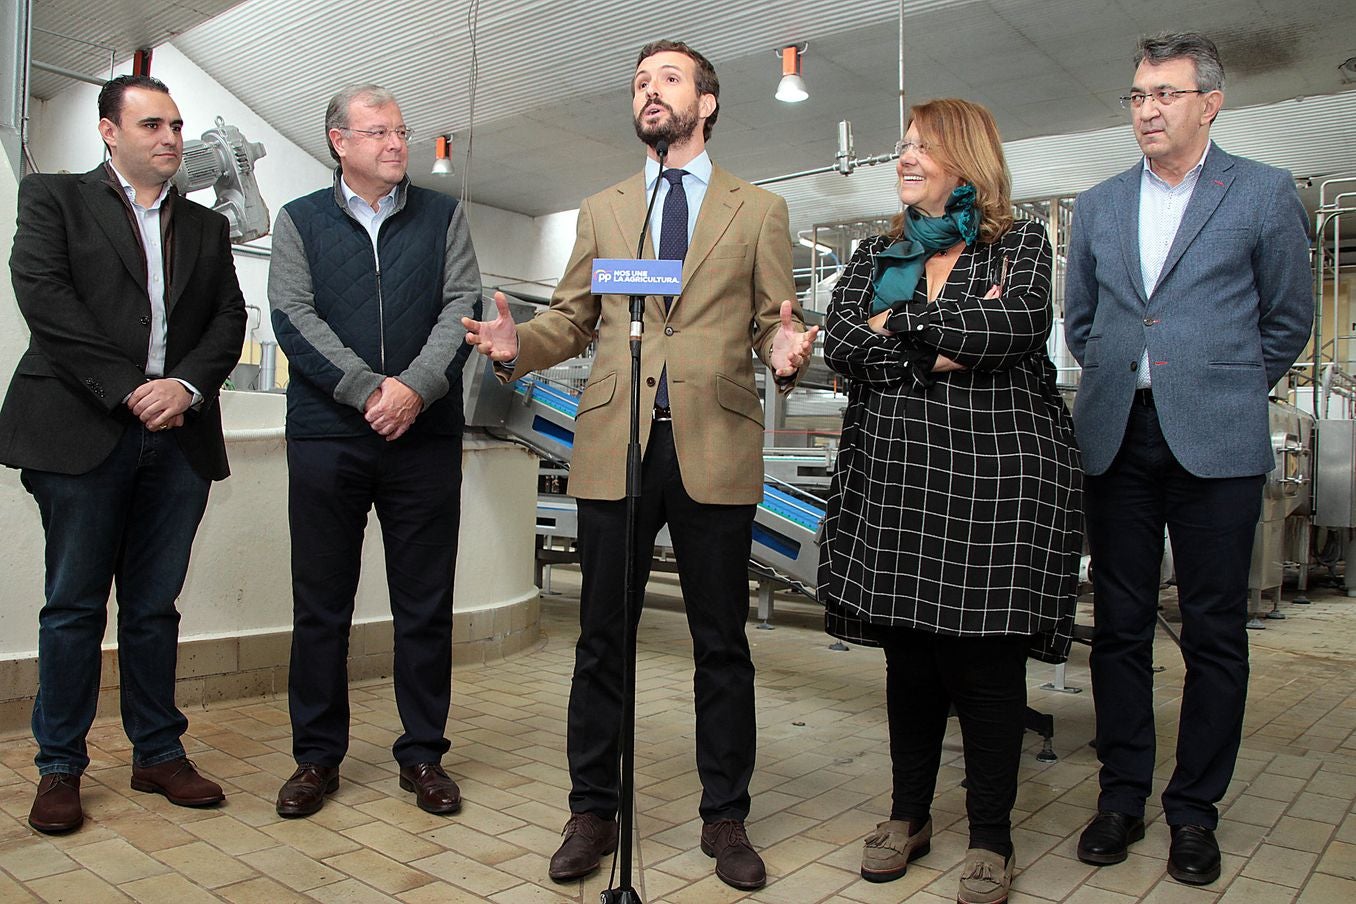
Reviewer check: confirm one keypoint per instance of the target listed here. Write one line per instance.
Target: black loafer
(1106, 839)
(1193, 858)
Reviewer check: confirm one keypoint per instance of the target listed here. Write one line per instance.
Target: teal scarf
(900, 267)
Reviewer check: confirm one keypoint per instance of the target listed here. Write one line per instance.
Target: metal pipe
(68, 73)
(833, 168)
(267, 379)
(1328, 212)
(64, 36)
(1319, 224)
(903, 107)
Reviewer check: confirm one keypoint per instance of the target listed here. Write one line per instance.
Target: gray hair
(1185, 45)
(336, 114)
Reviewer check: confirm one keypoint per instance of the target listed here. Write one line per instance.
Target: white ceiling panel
(552, 120)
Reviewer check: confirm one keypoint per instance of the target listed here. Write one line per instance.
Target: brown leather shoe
(304, 793)
(737, 863)
(434, 790)
(179, 781)
(56, 807)
(588, 838)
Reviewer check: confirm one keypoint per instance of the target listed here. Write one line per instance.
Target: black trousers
(984, 678)
(1211, 523)
(415, 485)
(711, 544)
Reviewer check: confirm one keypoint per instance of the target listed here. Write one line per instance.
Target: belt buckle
(662, 413)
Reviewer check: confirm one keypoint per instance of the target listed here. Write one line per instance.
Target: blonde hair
(963, 138)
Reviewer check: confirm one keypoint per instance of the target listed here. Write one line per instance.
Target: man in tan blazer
(702, 447)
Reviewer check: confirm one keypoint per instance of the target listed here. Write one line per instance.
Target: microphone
(661, 149)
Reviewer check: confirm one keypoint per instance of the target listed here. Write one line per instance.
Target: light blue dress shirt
(694, 186)
(1161, 207)
(370, 219)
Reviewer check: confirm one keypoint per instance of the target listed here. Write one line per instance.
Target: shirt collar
(385, 201)
(1189, 178)
(131, 191)
(698, 167)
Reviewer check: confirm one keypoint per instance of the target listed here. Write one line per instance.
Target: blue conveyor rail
(785, 525)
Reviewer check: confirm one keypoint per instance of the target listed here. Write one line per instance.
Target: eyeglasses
(380, 133)
(903, 146)
(1164, 97)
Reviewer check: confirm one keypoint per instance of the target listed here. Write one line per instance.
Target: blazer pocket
(730, 250)
(598, 393)
(734, 397)
(33, 364)
(1092, 352)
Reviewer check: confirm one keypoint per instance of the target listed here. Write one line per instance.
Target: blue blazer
(1232, 310)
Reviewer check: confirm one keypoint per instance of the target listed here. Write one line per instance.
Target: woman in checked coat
(954, 523)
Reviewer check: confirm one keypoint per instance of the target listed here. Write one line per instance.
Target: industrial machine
(223, 160)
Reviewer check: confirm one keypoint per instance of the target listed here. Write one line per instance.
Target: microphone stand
(623, 893)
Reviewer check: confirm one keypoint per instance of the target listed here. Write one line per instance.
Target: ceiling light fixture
(791, 89)
(442, 156)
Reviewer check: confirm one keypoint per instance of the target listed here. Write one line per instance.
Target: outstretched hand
(791, 347)
(497, 339)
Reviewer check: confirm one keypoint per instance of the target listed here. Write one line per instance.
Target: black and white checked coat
(956, 504)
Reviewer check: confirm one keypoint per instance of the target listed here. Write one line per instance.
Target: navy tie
(672, 246)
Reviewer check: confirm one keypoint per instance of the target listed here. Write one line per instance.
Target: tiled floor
(1289, 831)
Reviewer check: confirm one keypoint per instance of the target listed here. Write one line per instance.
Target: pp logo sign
(602, 276)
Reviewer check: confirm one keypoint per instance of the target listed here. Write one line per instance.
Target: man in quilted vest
(370, 278)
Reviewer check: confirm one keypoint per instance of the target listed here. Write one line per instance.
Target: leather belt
(663, 413)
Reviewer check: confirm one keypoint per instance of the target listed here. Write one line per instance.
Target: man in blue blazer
(1188, 296)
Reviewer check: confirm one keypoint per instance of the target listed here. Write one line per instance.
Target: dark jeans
(711, 544)
(984, 678)
(130, 520)
(415, 485)
(1211, 523)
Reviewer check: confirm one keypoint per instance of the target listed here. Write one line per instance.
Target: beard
(677, 129)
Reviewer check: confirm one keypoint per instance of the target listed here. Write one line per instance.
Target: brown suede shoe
(304, 793)
(179, 781)
(434, 790)
(56, 807)
(588, 838)
(889, 850)
(985, 877)
(737, 863)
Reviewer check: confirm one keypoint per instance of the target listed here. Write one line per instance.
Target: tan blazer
(735, 276)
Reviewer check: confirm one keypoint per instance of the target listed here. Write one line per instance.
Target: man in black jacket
(130, 295)
(368, 283)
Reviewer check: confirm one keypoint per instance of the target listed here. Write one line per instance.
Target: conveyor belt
(542, 414)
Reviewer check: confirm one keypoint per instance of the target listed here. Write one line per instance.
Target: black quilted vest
(385, 319)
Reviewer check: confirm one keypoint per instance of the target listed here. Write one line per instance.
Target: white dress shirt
(148, 226)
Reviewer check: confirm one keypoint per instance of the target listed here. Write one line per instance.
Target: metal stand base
(1058, 685)
(765, 605)
(619, 896)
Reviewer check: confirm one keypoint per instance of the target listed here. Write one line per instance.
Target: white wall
(21, 549)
